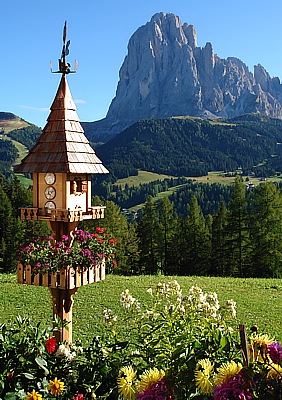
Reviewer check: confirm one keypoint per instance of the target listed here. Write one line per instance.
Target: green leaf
(224, 342)
(42, 364)
(28, 376)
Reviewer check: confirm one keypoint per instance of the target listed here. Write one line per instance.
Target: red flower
(51, 345)
(100, 230)
(114, 263)
(113, 241)
(95, 235)
(79, 397)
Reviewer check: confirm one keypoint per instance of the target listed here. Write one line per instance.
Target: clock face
(49, 206)
(50, 192)
(50, 178)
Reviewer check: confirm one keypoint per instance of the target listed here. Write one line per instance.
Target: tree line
(194, 146)
(242, 238)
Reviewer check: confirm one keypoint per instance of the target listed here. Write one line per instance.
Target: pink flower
(79, 397)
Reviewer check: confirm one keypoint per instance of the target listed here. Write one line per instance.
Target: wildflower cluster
(172, 346)
(150, 385)
(261, 379)
(80, 249)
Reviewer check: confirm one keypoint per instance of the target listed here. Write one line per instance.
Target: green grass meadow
(259, 301)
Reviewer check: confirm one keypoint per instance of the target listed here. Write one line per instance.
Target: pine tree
(238, 237)
(147, 232)
(197, 242)
(219, 261)
(166, 230)
(9, 229)
(266, 231)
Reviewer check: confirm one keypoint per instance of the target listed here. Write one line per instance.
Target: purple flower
(238, 387)
(158, 391)
(275, 352)
(86, 253)
(65, 238)
(80, 235)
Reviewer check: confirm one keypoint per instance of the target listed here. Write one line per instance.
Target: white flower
(62, 351)
(230, 308)
(127, 300)
(109, 317)
(150, 291)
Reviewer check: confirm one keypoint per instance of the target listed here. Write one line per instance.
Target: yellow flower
(149, 378)
(33, 396)
(226, 371)
(275, 372)
(203, 376)
(258, 346)
(126, 383)
(56, 387)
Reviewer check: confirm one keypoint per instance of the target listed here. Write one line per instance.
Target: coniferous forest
(241, 237)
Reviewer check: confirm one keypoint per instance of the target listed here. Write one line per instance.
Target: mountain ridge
(192, 146)
(166, 74)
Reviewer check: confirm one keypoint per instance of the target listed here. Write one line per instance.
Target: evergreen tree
(166, 230)
(131, 252)
(197, 242)
(9, 228)
(219, 261)
(266, 231)
(238, 237)
(149, 261)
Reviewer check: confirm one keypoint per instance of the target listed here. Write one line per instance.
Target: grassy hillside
(256, 299)
(194, 147)
(9, 122)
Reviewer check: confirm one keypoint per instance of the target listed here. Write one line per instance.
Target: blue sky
(31, 36)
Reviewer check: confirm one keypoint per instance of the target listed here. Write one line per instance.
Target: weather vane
(64, 67)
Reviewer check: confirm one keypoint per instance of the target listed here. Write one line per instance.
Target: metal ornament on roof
(64, 67)
(62, 146)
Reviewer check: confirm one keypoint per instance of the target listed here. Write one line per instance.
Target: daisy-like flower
(275, 372)
(258, 347)
(126, 383)
(204, 376)
(226, 371)
(33, 396)
(56, 387)
(149, 378)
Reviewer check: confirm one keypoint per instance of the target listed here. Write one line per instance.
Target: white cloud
(80, 101)
(35, 108)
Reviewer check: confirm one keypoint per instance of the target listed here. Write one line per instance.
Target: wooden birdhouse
(61, 163)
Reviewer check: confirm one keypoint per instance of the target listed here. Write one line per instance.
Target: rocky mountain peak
(166, 74)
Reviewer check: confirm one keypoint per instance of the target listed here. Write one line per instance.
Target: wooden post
(62, 307)
(62, 299)
(244, 344)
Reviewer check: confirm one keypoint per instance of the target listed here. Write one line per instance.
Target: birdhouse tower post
(61, 163)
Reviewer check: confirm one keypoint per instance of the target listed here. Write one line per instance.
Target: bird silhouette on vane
(64, 67)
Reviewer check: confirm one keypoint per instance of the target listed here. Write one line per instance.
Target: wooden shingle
(62, 146)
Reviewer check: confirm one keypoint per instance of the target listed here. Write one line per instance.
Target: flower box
(67, 278)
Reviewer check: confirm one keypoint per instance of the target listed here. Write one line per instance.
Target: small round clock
(49, 206)
(50, 192)
(50, 178)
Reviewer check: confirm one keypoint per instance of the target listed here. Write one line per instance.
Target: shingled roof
(62, 146)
